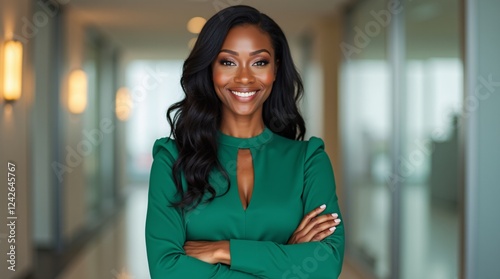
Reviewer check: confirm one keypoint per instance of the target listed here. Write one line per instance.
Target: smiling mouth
(244, 94)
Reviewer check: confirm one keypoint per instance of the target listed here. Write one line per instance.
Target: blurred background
(404, 93)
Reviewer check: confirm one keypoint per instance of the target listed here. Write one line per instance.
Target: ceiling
(157, 28)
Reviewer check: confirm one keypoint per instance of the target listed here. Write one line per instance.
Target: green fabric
(291, 178)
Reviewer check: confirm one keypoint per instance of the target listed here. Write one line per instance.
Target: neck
(242, 126)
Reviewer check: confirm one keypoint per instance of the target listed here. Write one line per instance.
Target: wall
(14, 141)
(483, 136)
(330, 40)
(319, 62)
(321, 101)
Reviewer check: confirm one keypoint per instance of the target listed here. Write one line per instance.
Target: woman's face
(244, 71)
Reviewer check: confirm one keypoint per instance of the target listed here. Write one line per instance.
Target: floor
(119, 251)
(430, 232)
(135, 215)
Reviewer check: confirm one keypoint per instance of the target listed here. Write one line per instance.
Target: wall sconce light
(123, 104)
(196, 24)
(77, 91)
(12, 70)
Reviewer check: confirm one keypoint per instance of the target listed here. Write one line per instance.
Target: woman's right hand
(314, 228)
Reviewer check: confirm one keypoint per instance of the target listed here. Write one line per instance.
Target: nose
(244, 76)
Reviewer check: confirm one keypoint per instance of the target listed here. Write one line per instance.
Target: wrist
(223, 253)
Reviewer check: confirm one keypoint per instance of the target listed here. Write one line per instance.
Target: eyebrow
(251, 53)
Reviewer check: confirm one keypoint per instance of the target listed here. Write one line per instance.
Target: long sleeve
(314, 260)
(165, 231)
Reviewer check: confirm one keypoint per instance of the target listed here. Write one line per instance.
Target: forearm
(182, 266)
(272, 260)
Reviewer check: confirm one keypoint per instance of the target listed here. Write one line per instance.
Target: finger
(324, 234)
(309, 216)
(319, 232)
(330, 225)
(319, 228)
(319, 220)
(305, 232)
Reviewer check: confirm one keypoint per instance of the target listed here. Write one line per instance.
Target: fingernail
(332, 229)
(337, 220)
(335, 215)
(323, 206)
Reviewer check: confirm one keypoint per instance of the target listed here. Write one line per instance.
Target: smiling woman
(238, 193)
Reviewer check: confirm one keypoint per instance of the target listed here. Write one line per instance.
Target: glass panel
(154, 86)
(366, 130)
(430, 152)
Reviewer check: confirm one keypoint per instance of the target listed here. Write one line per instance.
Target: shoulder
(314, 145)
(161, 180)
(165, 147)
(314, 151)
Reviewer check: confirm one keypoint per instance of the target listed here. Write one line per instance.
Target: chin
(243, 110)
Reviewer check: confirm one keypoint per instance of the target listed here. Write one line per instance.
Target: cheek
(220, 78)
(267, 78)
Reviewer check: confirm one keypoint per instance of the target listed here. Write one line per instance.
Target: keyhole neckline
(264, 137)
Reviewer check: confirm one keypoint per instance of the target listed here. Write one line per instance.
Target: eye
(261, 63)
(227, 63)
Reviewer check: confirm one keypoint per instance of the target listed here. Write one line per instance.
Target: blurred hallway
(118, 251)
(405, 95)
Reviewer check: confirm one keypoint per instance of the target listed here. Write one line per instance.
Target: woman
(238, 193)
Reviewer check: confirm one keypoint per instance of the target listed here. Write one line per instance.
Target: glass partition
(154, 86)
(430, 145)
(422, 117)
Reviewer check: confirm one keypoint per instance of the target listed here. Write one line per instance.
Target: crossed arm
(312, 228)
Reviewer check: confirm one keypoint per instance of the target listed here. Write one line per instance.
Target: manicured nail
(335, 215)
(337, 221)
(323, 206)
(332, 229)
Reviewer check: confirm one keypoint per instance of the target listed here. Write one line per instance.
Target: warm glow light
(196, 24)
(12, 70)
(77, 91)
(123, 104)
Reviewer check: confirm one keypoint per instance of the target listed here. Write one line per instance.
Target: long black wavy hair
(195, 120)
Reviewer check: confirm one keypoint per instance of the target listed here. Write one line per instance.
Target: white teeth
(244, 94)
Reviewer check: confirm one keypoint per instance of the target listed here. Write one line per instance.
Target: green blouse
(291, 178)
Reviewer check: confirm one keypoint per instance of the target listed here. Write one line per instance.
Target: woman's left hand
(211, 252)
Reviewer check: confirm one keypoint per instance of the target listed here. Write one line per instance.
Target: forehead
(247, 38)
